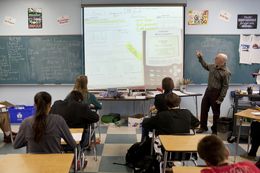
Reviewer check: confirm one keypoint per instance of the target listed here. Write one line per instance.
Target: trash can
(224, 127)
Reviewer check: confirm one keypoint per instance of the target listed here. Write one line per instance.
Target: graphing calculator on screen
(161, 54)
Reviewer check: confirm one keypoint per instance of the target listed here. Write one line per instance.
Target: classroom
(126, 48)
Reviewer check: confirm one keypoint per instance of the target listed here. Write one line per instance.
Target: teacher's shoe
(202, 130)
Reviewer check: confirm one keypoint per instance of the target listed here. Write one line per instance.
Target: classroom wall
(217, 26)
(23, 94)
(51, 10)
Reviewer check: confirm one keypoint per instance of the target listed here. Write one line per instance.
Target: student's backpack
(138, 158)
(110, 118)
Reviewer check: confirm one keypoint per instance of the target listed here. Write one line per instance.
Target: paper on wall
(224, 15)
(244, 49)
(255, 49)
(8, 20)
(63, 19)
(258, 78)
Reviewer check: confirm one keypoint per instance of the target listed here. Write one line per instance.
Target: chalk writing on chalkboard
(40, 59)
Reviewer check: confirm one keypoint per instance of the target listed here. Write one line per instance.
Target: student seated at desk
(76, 113)
(42, 132)
(159, 100)
(172, 121)
(213, 151)
(81, 85)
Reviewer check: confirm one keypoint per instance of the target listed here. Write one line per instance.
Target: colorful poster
(34, 18)
(198, 17)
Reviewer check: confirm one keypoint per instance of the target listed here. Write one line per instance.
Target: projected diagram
(132, 46)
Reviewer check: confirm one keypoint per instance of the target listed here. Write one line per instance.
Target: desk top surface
(136, 98)
(186, 169)
(41, 163)
(181, 142)
(249, 113)
(76, 134)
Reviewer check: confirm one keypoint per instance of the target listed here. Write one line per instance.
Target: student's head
(172, 100)
(167, 84)
(42, 102)
(81, 84)
(221, 59)
(212, 150)
(75, 96)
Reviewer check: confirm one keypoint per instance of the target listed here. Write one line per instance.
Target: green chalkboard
(40, 59)
(210, 45)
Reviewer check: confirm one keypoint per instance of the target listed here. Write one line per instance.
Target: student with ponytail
(42, 133)
(81, 85)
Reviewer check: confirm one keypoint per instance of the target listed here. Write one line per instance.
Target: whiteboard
(133, 46)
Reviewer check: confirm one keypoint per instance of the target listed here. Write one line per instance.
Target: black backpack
(138, 158)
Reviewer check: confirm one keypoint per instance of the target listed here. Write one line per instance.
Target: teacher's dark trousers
(209, 100)
(255, 139)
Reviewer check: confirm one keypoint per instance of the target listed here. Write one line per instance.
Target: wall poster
(34, 18)
(247, 21)
(198, 17)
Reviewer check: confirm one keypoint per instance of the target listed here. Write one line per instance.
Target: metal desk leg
(249, 137)
(196, 103)
(165, 161)
(238, 137)
(75, 160)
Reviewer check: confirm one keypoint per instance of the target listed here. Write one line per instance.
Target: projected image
(124, 44)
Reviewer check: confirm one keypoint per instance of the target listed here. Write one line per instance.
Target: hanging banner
(247, 21)
(34, 18)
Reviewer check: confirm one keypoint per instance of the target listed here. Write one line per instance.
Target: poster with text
(34, 18)
(247, 21)
(198, 17)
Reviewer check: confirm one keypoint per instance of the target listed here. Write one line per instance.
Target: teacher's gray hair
(224, 56)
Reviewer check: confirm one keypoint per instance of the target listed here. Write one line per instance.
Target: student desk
(241, 115)
(186, 169)
(179, 143)
(32, 163)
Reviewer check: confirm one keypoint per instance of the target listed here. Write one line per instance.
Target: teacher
(215, 93)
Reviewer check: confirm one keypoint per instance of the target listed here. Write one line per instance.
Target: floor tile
(106, 164)
(92, 165)
(120, 139)
(121, 130)
(232, 149)
(115, 149)
(100, 148)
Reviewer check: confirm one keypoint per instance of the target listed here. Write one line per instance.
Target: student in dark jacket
(42, 132)
(172, 121)
(159, 100)
(75, 113)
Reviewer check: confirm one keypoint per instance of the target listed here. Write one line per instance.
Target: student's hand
(218, 102)
(199, 54)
